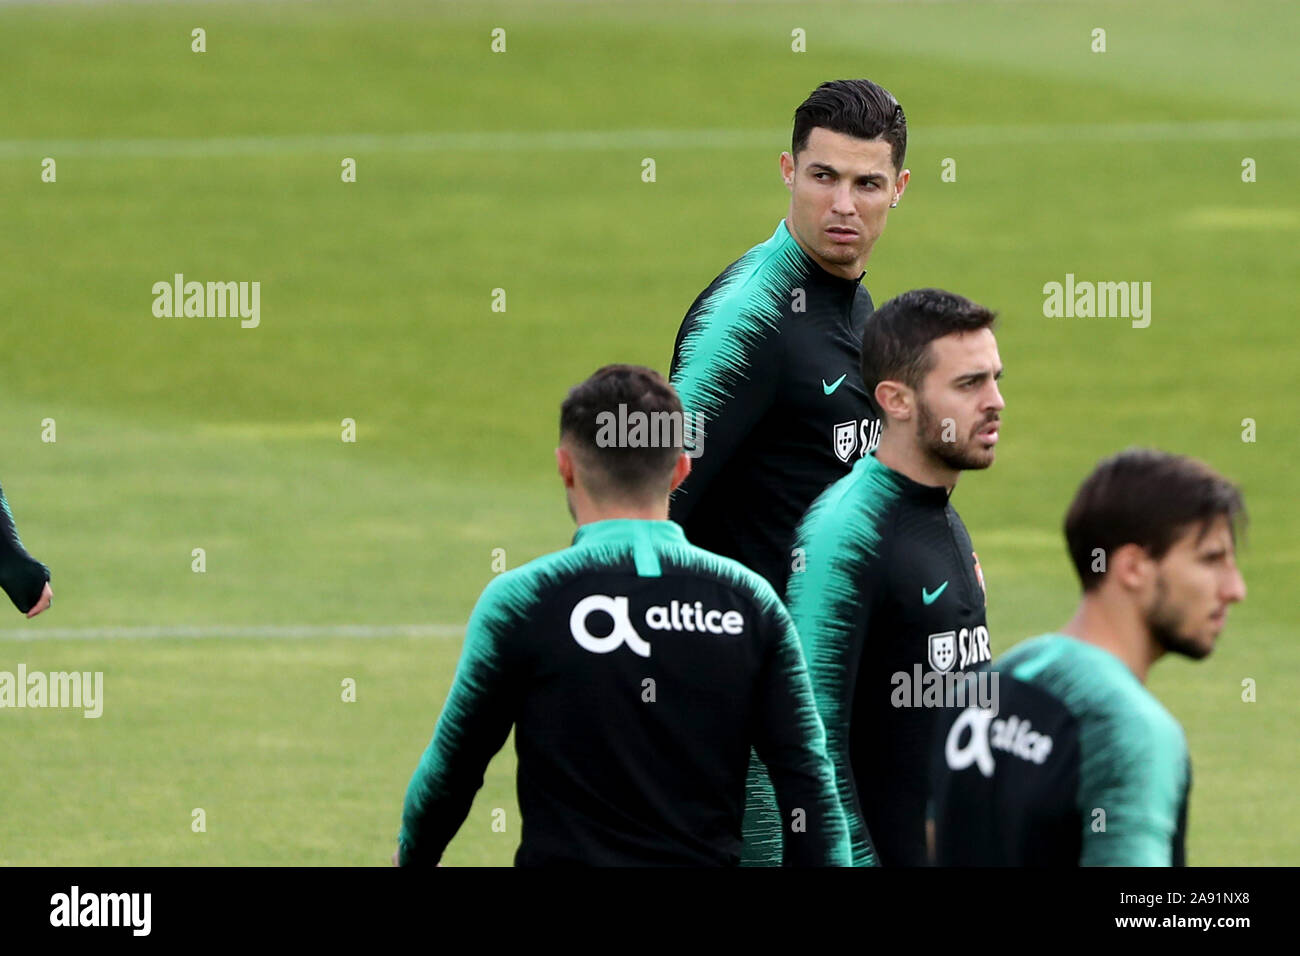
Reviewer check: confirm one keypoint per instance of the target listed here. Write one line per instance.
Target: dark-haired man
(887, 593)
(637, 669)
(23, 578)
(766, 357)
(1079, 763)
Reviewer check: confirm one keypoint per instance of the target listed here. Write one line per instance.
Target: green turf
(175, 434)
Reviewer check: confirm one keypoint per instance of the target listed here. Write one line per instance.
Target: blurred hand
(47, 598)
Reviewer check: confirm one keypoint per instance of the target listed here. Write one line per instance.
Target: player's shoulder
(855, 508)
(614, 554)
(525, 586)
(843, 544)
(690, 559)
(1115, 712)
(755, 288)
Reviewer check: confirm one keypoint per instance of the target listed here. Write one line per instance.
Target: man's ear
(564, 465)
(1131, 566)
(680, 471)
(787, 170)
(894, 399)
(901, 184)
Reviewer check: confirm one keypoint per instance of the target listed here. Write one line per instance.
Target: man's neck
(902, 454)
(589, 512)
(1116, 628)
(852, 270)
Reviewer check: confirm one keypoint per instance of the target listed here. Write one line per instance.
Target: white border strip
(37, 633)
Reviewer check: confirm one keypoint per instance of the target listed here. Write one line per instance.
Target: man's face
(841, 188)
(959, 407)
(1195, 582)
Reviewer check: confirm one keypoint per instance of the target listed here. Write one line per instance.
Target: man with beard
(1079, 763)
(886, 591)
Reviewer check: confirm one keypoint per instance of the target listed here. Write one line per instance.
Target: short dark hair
(896, 339)
(1149, 498)
(856, 108)
(621, 470)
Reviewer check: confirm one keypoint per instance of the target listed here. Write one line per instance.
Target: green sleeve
(1132, 784)
(807, 826)
(474, 725)
(762, 825)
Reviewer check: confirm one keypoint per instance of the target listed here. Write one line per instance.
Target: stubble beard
(959, 456)
(1165, 624)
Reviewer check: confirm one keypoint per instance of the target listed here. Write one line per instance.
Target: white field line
(36, 633)
(634, 139)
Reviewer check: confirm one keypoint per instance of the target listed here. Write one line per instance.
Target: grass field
(522, 171)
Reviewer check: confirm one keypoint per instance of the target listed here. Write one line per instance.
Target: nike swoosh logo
(929, 598)
(828, 389)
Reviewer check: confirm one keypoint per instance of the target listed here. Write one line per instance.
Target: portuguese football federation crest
(943, 650)
(846, 440)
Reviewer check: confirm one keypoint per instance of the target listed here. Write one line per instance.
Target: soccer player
(765, 360)
(638, 672)
(24, 579)
(887, 593)
(1079, 763)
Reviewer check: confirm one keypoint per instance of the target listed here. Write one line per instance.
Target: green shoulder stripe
(745, 307)
(1132, 751)
(841, 532)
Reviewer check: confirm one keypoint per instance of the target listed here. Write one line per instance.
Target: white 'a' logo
(623, 633)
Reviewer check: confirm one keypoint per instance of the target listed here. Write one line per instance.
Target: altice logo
(673, 616)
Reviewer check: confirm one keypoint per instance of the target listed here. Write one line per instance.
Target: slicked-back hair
(620, 471)
(1149, 498)
(855, 108)
(896, 339)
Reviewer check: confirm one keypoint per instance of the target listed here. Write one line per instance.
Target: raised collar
(838, 285)
(646, 536)
(914, 490)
